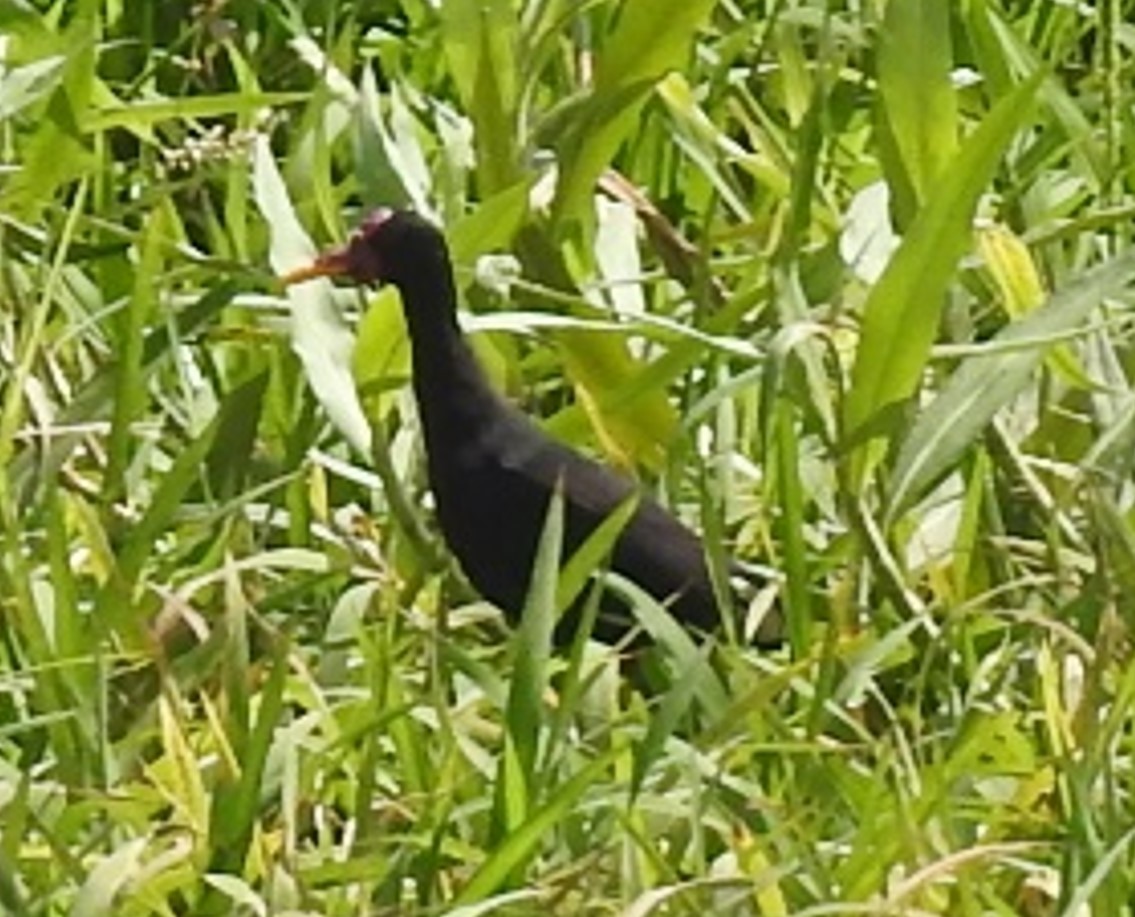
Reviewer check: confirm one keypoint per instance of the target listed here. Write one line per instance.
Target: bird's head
(388, 245)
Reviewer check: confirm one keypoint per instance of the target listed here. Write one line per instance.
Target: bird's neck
(453, 393)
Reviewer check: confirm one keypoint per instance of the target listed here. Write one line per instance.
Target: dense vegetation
(846, 283)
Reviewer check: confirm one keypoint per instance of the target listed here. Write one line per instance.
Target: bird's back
(493, 486)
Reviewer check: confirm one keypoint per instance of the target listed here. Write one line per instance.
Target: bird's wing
(590, 488)
(654, 550)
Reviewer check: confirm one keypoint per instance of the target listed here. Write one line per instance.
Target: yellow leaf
(1011, 266)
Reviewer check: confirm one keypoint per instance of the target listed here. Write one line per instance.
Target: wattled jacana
(492, 470)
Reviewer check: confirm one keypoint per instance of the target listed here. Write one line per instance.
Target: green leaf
(166, 503)
(524, 842)
(320, 337)
(56, 155)
(97, 896)
(140, 116)
(985, 383)
(382, 352)
(480, 46)
(229, 460)
(26, 85)
(684, 654)
(390, 167)
(915, 60)
(534, 641)
(57, 152)
(491, 226)
(235, 807)
(95, 400)
(593, 553)
(664, 723)
(901, 314)
(130, 393)
(650, 38)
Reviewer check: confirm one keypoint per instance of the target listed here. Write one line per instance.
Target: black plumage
(491, 469)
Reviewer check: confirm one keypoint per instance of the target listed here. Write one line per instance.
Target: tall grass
(845, 283)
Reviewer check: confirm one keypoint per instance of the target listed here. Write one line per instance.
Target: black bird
(492, 470)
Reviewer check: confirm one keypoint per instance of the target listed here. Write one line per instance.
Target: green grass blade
(524, 842)
(919, 101)
(142, 539)
(525, 712)
(236, 805)
(140, 116)
(130, 392)
(900, 317)
(95, 399)
(480, 44)
(985, 383)
(664, 724)
(650, 38)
